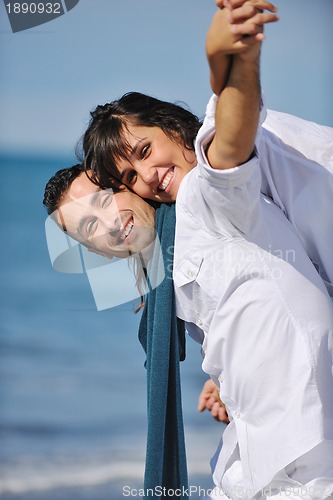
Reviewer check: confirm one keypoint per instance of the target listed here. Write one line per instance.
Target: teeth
(127, 230)
(166, 181)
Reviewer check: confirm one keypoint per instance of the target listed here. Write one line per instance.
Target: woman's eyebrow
(133, 153)
(136, 146)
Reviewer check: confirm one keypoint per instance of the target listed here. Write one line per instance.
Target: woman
(148, 144)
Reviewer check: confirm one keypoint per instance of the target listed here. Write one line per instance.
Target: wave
(122, 464)
(26, 480)
(128, 472)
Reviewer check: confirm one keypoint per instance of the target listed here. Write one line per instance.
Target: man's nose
(111, 223)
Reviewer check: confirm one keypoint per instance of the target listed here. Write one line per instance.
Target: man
(83, 191)
(280, 438)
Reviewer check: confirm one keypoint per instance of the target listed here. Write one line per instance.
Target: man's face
(114, 225)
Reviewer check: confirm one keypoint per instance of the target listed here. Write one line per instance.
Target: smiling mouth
(166, 180)
(126, 230)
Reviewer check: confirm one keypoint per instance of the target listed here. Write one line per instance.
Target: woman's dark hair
(104, 144)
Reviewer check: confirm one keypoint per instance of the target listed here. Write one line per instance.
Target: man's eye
(91, 228)
(106, 200)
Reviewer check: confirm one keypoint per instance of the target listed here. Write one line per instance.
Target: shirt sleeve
(230, 194)
(207, 130)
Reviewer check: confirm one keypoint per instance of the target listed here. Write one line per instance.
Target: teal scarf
(162, 336)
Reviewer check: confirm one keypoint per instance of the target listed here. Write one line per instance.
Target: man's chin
(119, 254)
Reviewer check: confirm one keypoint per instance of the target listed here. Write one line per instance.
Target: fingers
(215, 409)
(207, 400)
(263, 5)
(259, 4)
(247, 41)
(242, 14)
(214, 399)
(251, 16)
(208, 396)
(223, 416)
(218, 412)
(219, 4)
(248, 21)
(202, 403)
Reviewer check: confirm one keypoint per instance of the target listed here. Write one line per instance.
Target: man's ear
(98, 253)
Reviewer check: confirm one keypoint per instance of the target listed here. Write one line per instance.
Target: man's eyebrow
(95, 197)
(62, 220)
(81, 226)
(92, 202)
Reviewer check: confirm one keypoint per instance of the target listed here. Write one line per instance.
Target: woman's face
(157, 164)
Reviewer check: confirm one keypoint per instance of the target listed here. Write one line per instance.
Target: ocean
(72, 379)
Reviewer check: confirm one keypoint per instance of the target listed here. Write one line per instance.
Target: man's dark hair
(104, 144)
(58, 185)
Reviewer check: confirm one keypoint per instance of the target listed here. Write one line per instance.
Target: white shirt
(242, 276)
(296, 163)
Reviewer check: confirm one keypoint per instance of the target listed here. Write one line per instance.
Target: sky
(53, 75)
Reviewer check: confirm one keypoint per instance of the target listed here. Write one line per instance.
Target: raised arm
(232, 31)
(237, 112)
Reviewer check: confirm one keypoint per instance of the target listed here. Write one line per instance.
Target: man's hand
(209, 399)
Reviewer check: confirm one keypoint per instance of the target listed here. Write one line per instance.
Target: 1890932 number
(33, 8)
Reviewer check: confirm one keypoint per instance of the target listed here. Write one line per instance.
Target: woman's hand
(209, 399)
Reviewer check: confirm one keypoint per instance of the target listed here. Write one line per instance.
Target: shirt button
(199, 322)
(190, 274)
(237, 414)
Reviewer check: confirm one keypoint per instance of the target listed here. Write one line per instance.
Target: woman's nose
(148, 173)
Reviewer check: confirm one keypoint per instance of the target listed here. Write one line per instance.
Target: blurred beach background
(72, 379)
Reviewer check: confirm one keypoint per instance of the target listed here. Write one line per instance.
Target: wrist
(249, 56)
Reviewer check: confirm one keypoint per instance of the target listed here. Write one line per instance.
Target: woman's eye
(131, 177)
(145, 151)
